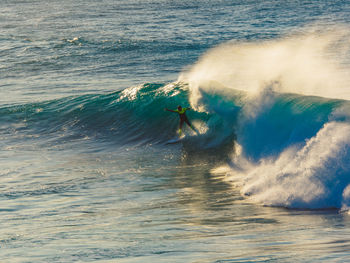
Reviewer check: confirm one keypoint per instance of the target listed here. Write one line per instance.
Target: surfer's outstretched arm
(169, 110)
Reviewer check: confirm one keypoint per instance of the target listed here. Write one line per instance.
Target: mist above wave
(315, 63)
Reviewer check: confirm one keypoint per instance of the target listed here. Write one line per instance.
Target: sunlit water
(66, 206)
(75, 188)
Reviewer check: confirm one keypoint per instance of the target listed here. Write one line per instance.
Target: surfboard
(175, 140)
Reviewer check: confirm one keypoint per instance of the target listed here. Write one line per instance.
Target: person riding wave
(183, 118)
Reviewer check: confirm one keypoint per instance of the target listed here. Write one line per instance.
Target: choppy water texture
(87, 174)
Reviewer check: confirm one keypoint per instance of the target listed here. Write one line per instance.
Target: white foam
(314, 176)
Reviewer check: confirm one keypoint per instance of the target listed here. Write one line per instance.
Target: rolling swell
(264, 127)
(132, 116)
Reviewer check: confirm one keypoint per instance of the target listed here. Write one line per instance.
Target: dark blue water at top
(63, 47)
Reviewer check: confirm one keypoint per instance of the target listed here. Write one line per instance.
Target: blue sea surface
(87, 174)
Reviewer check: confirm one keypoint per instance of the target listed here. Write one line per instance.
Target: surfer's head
(179, 107)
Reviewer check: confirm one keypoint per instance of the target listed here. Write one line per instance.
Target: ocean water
(87, 174)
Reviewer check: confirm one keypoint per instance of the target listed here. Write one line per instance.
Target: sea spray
(316, 62)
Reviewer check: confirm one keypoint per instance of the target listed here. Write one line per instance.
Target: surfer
(183, 118)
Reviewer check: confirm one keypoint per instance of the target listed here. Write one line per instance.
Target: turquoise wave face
(283, 121)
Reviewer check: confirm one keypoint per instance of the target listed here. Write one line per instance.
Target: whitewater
(87, 174)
